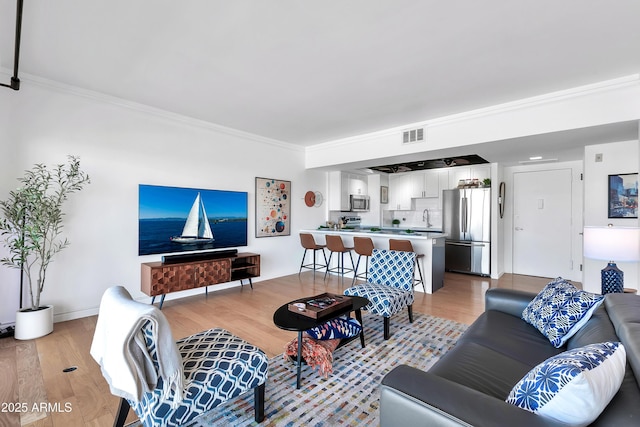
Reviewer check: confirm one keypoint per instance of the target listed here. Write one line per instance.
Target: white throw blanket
(119, 348)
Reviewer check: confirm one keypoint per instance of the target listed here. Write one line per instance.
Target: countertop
(384, 232)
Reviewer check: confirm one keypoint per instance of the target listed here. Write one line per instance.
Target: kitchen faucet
(425, 217)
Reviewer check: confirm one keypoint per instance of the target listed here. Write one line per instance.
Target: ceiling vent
(413, 135)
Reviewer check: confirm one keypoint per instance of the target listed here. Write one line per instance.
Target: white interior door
(542, 223)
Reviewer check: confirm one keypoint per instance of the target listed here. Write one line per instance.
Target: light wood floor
(32, 371)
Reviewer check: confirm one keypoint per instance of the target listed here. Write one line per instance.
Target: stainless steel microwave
(358, 203)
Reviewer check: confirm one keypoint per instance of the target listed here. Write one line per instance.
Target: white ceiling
(306, 72)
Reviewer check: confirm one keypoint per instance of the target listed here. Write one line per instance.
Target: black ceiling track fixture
(418, 165)
(15, 81)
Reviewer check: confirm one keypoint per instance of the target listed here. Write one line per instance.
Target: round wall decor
(319, 199)
(313, 198)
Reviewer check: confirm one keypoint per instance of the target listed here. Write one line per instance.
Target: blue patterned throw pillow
(336, 328)
(573, 387)
(560, 310)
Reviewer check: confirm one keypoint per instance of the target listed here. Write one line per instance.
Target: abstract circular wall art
(273, 207)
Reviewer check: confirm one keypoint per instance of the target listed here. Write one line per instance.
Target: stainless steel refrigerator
(466, 214)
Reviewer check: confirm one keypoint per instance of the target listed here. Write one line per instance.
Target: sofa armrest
(409, 396)
(510, 301)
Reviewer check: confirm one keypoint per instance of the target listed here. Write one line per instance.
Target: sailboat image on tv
(196, 228)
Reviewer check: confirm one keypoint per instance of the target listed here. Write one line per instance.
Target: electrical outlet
(599, 157)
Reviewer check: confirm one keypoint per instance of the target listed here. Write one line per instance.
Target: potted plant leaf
(31, 227)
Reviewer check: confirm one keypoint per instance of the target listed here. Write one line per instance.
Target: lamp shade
(620, 244)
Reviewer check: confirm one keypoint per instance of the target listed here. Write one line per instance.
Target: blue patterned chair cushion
(389, 286)
(392, 268)
(336, 329)
(573, 387)
(560, 310)
(384, 300)
(218, 366)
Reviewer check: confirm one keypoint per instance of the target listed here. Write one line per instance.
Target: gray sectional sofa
(469, 384)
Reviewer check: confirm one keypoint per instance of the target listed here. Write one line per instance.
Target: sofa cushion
(573, 387)
(511, 337)
(560, 310)
(480, 369)
(494, 353)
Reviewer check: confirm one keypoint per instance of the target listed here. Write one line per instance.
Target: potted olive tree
(31, 227)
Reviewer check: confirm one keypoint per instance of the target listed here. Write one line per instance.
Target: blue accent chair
(389, 286)
(218, 366)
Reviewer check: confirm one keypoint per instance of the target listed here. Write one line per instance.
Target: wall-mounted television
(175, 219)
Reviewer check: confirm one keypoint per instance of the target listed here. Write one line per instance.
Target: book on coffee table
(319, 305)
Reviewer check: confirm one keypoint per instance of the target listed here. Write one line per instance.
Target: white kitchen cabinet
(431, 186)
(400, 191)
(417, 184)
(444, 181)
(357, 184)
(341, 186)
(426, 184)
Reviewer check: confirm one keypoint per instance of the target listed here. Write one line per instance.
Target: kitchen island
(431, 244)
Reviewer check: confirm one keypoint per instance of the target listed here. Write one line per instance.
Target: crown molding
(146, 109)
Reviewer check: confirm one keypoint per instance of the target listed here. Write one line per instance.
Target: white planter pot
(34, 324)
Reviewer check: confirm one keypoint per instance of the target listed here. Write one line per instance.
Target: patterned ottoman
(218, 366)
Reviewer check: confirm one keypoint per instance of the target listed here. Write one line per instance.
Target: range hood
(445, 162)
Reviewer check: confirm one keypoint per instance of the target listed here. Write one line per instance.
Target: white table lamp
(610, 243)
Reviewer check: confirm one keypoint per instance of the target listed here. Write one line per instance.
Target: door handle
(464, 215)
(519, 228)
(468, 245)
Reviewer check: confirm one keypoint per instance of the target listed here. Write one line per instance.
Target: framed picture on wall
(623, 195)
(273, 207)
(384, 194)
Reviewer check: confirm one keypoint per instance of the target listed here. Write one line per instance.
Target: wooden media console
(161, 279)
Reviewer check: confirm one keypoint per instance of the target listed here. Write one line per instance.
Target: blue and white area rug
(350, 396)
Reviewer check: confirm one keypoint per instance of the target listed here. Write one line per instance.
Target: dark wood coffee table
(290, 321)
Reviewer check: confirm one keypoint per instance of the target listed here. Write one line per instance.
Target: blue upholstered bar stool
(406, 246)
(364, 248)
(335, 245)
(309, 244)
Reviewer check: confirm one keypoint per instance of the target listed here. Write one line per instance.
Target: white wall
(121, 146)
(617, 158)
(9, 279)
